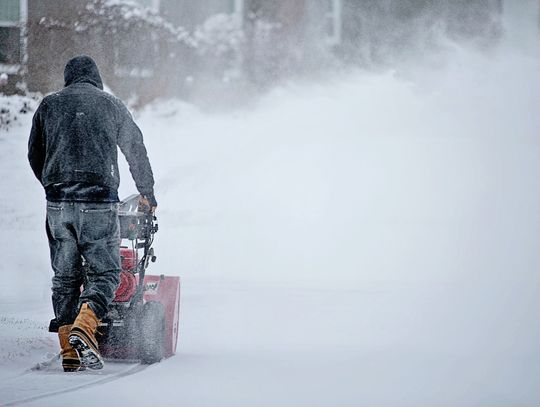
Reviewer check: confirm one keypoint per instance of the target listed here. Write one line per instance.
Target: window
(333, 22)
(10, 11)
(10, 45)
(12, 34)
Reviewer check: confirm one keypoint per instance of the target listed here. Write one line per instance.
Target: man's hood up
(82, 69)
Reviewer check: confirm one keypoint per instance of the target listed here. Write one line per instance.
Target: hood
(82, 69)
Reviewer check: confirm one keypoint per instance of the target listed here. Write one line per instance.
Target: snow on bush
(115, 15)
(126, 13)
(13, 106)
(220, 35)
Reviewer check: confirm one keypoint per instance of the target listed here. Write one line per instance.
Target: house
(38, 36)
(134, 53)
(167, 47)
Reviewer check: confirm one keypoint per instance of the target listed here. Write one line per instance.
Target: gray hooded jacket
(73, 142)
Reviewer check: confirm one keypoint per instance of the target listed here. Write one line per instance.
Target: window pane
(10, 10)
(10, 45)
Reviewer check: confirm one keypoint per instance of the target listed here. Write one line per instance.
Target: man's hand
(147, 203)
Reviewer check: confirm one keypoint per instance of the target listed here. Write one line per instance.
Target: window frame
(12, 69)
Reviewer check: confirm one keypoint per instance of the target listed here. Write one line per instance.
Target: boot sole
(89, 357)
(74, 369)
(72, 365)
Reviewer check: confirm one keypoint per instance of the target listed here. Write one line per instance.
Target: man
(73, 152)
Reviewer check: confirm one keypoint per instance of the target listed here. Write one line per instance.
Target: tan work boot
(70, 358)
(83, 338)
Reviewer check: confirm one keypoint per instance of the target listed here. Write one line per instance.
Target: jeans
(78, 231)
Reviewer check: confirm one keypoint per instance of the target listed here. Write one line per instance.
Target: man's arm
(36, 144)
(130, 141)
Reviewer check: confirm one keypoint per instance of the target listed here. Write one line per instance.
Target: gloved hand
(147, 203)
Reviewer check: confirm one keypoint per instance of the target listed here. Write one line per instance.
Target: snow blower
(142, 323)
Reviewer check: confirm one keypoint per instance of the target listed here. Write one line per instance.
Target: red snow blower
(142, 323)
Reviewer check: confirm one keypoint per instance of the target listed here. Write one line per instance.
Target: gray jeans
(83, 230)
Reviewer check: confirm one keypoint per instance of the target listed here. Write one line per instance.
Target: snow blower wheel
(152, 345)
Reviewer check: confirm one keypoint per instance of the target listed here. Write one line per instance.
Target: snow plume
(388, 226)
(321, 181)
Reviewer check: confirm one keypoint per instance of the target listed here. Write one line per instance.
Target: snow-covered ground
(368, 241)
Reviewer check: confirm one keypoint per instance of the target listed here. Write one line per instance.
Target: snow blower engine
(142, 323)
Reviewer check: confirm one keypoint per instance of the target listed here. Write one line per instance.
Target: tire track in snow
(25, 381)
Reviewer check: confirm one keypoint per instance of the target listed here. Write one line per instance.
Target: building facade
(167, 47)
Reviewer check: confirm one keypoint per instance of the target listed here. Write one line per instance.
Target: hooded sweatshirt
(73, 142)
